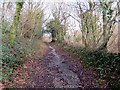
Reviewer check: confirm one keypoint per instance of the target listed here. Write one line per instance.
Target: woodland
(87, 31)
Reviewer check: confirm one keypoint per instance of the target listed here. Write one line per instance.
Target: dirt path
(63, 77)
(57, 70)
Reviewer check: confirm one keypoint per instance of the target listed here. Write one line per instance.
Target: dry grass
(40, 49)
(113, 42)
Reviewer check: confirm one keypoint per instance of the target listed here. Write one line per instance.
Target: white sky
(40, 0)
(55, 0)
(60, 0)
(50, 3)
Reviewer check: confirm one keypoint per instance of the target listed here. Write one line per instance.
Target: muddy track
(57, 70)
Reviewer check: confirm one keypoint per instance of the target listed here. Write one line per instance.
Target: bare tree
(88, 15)
(32, 20)
(59, 13)
(109, 15)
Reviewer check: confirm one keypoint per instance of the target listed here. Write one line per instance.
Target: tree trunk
(16, 21)
(106, 26)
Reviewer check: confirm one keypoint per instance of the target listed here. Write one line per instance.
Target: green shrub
(107, 65)
(14, 56)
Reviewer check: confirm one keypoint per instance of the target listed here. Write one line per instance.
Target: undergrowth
(107, 65)
(13, 56)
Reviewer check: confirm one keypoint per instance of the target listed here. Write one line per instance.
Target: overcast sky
(40, 0)
(49, 5)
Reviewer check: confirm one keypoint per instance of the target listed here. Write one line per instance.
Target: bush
(14, 56)
(107, 65)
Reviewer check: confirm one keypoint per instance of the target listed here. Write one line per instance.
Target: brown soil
(39, 74)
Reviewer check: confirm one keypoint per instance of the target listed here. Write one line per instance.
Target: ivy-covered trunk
(15, 23)
(107, 14)
(104, 17)
(2, 19)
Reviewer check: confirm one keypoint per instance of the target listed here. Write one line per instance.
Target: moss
(16, 21)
